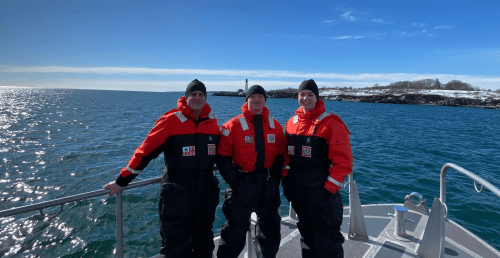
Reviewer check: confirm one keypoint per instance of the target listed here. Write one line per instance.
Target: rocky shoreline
(395, 97)
(420, 99)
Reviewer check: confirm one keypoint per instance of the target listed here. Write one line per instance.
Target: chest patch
(211, 149)
(291, 150)
(270, 138)
(295, 119)
(248, 139)
(188, 151)
(306, 151)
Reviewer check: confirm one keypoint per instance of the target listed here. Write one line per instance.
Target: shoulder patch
(225, 132)
(271, 122)
(243, 123)
(325, 114)
(211, 115)
(180, 116)
(166, 115)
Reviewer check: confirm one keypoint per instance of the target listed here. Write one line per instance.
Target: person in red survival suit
(318, 159)
(250, 159)
(189, 191)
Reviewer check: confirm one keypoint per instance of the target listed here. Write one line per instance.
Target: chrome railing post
(442, 183)
(473, 176)
(119, 225)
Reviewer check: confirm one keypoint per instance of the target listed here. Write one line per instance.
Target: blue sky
(163, 45)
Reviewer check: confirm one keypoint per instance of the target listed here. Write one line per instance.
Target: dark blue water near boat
(56, 143)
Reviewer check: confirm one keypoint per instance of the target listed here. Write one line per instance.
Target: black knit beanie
(309, 85)
(256, 89)
(195, 85)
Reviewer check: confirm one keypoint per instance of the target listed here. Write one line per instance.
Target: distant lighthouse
(246, 85)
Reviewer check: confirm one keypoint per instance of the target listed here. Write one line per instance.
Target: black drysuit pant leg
(264, 201)
(320, 219)
(187, 212)
(268, 230)
(233, 232)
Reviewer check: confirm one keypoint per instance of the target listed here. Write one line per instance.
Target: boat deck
(382, 240)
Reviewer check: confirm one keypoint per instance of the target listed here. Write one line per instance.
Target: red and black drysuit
(189, 191)
(250, 159)
(319, 157)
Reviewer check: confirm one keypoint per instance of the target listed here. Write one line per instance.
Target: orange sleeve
(149, 149)
(225, 146)
(339, 153)
(281, 141)
(156, 137)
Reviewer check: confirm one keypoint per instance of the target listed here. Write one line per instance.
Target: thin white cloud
(408, 34)
(444, 27)
(329, 22)
(377, 36)
(123, 70)
(342, 37)
(380, 21)
(348, 16)
(225, 78)
(420, 25)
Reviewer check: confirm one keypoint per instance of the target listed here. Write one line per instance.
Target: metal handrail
(473, 176)
(61, 201)
(79, 197)
(433, 239)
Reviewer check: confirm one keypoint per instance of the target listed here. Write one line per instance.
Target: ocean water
(55, 143)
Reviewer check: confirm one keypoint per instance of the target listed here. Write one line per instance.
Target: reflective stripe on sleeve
(286, 167)
(335, 182)
(225, 132)
(180, 116)
(133, 171)
(271, 121)
(325, 114)
(243, 123)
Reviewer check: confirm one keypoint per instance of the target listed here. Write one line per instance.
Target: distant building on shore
(246, 86)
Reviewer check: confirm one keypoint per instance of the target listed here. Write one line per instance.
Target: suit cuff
(333, 188)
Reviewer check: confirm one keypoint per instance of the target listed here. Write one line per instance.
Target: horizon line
(224, 77)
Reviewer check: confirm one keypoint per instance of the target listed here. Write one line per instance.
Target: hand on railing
(113, 187)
